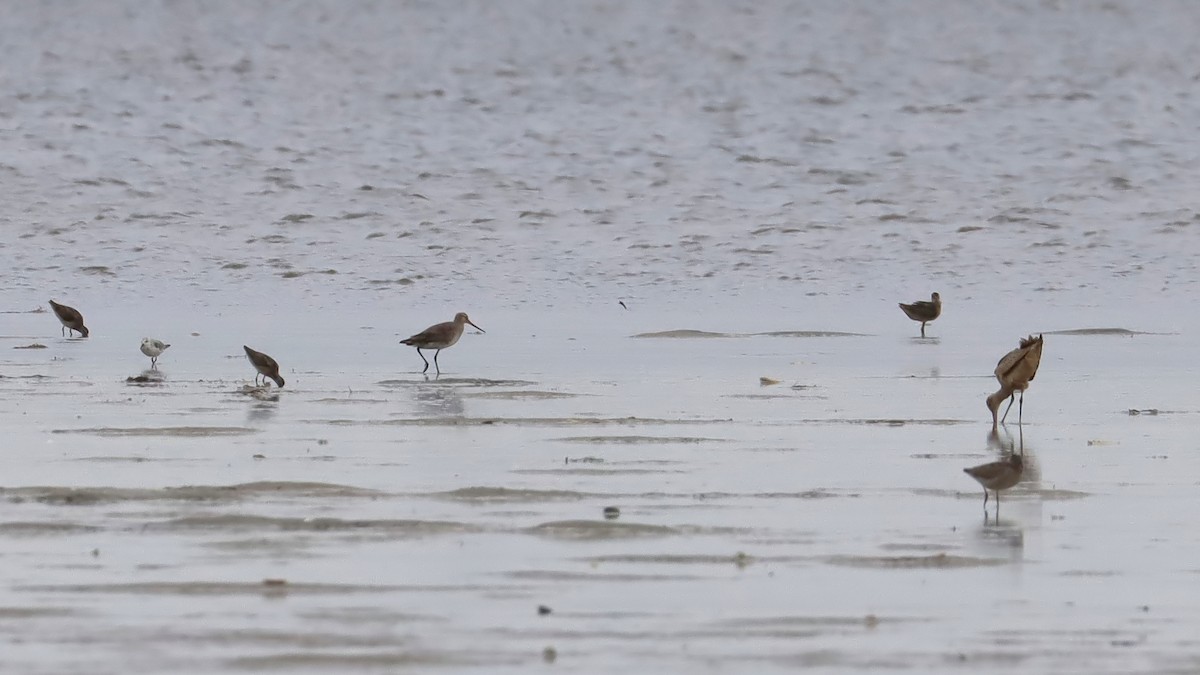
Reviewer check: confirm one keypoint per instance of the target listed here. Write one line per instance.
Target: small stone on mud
(767, 381)
(549, 654)
(583, 460)
(543, 610)
(612, 513)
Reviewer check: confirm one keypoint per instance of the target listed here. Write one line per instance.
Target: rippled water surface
(650, 208)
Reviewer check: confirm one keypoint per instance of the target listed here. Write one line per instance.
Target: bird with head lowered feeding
(70, 318)
(1015, 371)
(265, 365)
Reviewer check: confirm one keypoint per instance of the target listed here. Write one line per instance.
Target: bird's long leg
(435, 363)
(1020, 406)
(153, 363)
(922, 329)
(1010, 402)
(423, 359)
(985, 498)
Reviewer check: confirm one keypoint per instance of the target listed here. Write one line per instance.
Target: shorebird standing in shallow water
(153, 348)
(1014, 372)
(997, 476)
(265, 366)
(70, 317)
(439, 336)
(924, 310)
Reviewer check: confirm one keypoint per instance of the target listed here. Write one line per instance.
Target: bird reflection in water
(439, 400)
(262, 412)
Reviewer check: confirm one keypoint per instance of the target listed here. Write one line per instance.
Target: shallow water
(758, 184)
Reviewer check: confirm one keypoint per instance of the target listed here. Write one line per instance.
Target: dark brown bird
(439, 336)
(1014, 372)
(265, 366)
(997, 476)
(70, 317)
(924, 310)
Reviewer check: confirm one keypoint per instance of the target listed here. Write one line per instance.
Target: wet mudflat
(698, 435)
(371, 525)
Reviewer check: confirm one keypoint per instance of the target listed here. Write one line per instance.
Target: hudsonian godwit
(924, 310)
(997, 476)
(70, 318)
(265, 365)
(438, 337)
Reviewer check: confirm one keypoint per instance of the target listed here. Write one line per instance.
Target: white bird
(153, 348)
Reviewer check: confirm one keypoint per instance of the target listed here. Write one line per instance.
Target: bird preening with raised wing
(70, 318)
(1014, 372)
(924, 310)
(438, 337)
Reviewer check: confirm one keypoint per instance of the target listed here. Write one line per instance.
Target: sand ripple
(207, 493)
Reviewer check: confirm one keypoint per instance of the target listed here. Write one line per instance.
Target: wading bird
(997, 476)
(438, 337)
(153, 348)
(1014, 372)
(265, 366)
(924, 310)
(70, 318)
